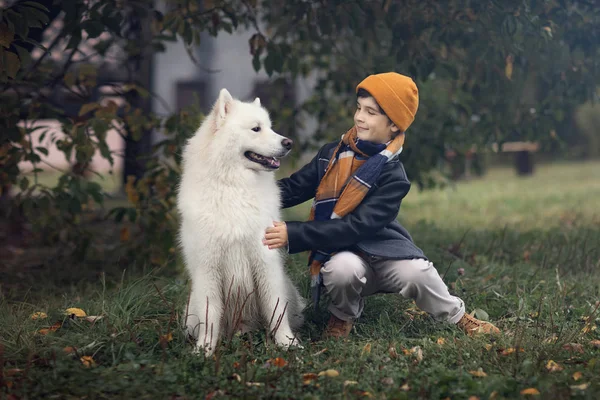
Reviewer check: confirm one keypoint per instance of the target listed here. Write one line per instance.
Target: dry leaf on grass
(70, 350)
(583, 386)
(278, 362)
(308, 378)
(366, 350)
(78, 312)
(441, 341)
(88, 361)
(417, 352)
(574, 347)
(577, 375)
(530, 391)
(53, 328)
(405, 387)
(93, 318)
(329, 373)
(166, 338)
(392, 352)
(552, 366)
(348, 383)
(38, 315)
(479, 373)
(388, 381)
(595, 343)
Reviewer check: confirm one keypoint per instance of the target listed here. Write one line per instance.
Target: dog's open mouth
(267, 162)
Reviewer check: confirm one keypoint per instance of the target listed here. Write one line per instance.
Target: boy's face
(371, 124)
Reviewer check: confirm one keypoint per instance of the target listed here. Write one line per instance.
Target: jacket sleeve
(301, 185)
(377, 210)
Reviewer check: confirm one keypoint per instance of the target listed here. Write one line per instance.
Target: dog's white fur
(226, 202)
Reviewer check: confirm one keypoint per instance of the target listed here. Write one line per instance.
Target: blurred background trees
(489, 72)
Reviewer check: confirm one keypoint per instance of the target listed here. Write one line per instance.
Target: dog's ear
(224, 103)
(257, 101)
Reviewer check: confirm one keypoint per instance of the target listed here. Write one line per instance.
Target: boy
(357, 246)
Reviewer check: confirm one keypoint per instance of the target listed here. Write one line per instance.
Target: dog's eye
(256, 129)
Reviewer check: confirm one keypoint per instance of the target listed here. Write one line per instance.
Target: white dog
(227, 198)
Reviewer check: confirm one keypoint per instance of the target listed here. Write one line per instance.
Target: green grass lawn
(530, 252)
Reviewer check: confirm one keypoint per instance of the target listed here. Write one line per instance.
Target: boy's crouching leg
(419, 280)
(345, 277)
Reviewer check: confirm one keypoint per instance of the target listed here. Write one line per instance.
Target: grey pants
(348, 278)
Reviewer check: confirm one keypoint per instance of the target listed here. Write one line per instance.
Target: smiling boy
(357, 247)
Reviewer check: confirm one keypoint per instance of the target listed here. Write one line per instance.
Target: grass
(530, 254)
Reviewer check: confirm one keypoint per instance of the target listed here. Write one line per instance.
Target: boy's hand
(276, 236)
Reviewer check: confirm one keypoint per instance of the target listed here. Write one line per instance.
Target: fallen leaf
(574, 347)
(211, 395)
(552, 366)
(254, 384)
(236, 365)
(388, 381)
(166, 338)
(583, 386)
(595, 343)
(479, 373)
(12, 372)
(124, 234)
(39, 315)
(318, 353)
(69, 350)
(577, 375)
(511, 350)
(236, 377)
(366, 350)
(473, 398)
(508, 69)
(392, 352)
(8, 384)
(441, 341)
(531, 391)
(365, 394)
(329, 373)
(78, 312)
(88, 361)
(278, 362)
(493, 395)
(405, 387)
(551, 339)
(93, 318)
(488, 347)
(418, 353)
(53, 328)
(308, 378)
(348, 383)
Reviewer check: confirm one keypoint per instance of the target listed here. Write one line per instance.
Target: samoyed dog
(227, 198)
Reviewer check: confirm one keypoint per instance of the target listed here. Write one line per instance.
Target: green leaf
(13, 64)
(93, 28)
(42, 150)
(6, 36)
(24, 184)
(35, 5)
(86, 108)
(24, 55)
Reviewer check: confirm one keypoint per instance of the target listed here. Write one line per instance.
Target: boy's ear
(394, 128)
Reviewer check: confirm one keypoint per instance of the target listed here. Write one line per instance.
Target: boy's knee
(343, 269)
(416, 271)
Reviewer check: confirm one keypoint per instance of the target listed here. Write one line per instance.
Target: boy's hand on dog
(276, 236)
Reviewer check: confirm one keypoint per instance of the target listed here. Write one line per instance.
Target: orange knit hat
(396, 94)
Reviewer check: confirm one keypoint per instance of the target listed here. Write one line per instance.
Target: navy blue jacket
(372, 226)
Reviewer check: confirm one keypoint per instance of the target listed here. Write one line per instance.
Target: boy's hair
(364, 93)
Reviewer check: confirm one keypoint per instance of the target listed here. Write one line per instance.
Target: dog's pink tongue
(274, 162)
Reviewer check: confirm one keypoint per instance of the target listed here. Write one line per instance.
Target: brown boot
(472, 326)
(336, 328)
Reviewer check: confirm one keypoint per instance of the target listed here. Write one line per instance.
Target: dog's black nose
(287, 143)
